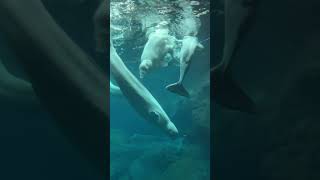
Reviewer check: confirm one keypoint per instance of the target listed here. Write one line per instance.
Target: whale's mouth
(172, 131)
(173, 135)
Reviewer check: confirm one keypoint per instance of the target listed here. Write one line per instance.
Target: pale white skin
(159, 44)
(189, 45)
(139, 96)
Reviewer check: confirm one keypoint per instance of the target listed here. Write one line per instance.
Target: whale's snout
(172, 130)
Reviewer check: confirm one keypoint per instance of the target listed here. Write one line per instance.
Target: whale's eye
(155, 117)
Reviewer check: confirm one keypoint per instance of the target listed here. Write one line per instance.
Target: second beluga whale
(189, 46)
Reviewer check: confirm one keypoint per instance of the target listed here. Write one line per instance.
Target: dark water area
(33, 146)
(77, 20)
(277, 65)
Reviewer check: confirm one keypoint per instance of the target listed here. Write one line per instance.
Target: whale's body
(238, 15)
(138, 95)
(63, 77)
(189, 45)
(158, 46)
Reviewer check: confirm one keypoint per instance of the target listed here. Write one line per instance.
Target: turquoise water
(139, 149)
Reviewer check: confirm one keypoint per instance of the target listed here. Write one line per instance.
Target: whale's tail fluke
(178, 88)
(228, 93)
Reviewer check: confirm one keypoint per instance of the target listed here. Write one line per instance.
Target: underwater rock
(146, 139)
(141, 159)
(131, 156)
(201, 110)
(291, 149)
(198, 107)
(121, 154)
(119, 167)
(126, 177)
(187, 169)
(153, 162)
(192, 164)
(117, 136)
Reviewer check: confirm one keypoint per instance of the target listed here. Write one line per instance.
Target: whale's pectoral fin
(200, 46)
(228, 93)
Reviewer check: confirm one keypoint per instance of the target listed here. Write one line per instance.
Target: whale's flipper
(229, 94)
(200, 46)
(178, 88)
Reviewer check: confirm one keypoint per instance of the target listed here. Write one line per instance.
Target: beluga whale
(189, 44)
(157, 52)
(227, 92)
(139, 96)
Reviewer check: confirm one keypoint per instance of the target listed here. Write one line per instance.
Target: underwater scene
(159, 89)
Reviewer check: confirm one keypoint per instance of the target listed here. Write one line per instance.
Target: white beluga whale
(189, 46)
(139, 96)
(157, 50)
